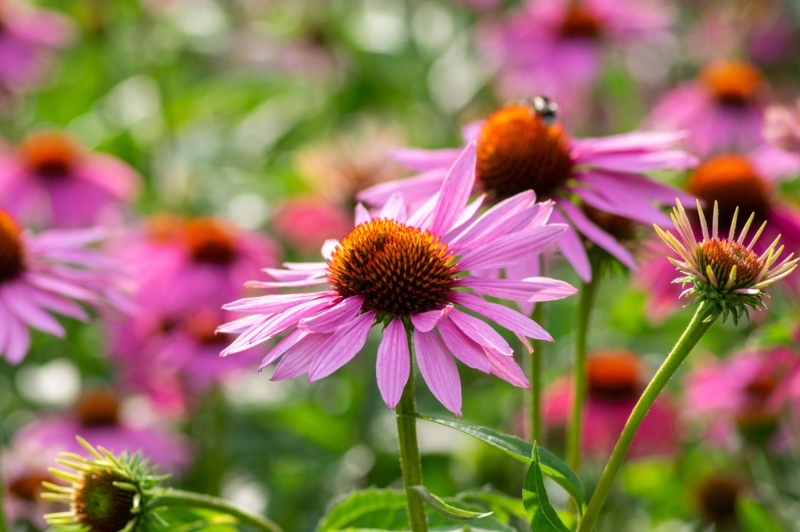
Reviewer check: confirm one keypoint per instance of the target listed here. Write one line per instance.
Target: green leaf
(541, 515)
(447, 510)
(499, 503)
(550, 464)
(374, 509)
(753, 517)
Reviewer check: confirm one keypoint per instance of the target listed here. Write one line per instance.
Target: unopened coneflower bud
(725, 272)
(107, 493)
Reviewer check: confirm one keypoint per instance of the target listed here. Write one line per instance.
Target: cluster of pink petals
(26, 38)
(325, 330)
(718, 391)
(607, 175)
(90, 192)
(60, 274)
(782, 219)
(532, 55)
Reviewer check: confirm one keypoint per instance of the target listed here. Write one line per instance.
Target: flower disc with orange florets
(409, 272)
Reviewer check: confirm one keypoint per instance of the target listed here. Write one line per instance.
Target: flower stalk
(703, 319)
(410, 463)
(535, 376)
(585, 305)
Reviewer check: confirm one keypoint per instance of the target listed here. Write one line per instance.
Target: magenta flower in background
(182, 267)
(518, 151)
(304, 224)
(754, 395)
(53, 181)
(732, 180)
(97, 416)
(408, 271)
(22, 472)
(26, 38)
(555, 47)
(50, 272)
(722, 109)
(615, 380)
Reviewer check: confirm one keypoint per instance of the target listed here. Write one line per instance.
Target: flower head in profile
(53, 271)
(51, 180)
(106, 493)
(523, 147)
(408, 271)
(724, 271)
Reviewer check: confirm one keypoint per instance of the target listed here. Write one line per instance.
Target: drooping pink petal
(299, 357)
(464, 349)
(273, 303)
(479, 332)
(341, 347)
(438, 369)
(393, 365)
(414, 189)
(598, 236)
(281, 347)
(511, 214)
(531, 289)
(426, 321)
(636, 141)
(18, 301)
(455, 192)
(511, 248)
(328, 320)
(421, 160)
(507, 369)
(502, 315)
(572, 248)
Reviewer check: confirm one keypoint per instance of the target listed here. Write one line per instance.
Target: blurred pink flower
(555, 47)
(518, 151)
(306, 223)
(51, 180)
(182, 267)
(722, 109)
(50, 272)
(398, 269)
(749, 393)
(97, 418)
(732, 180)
(26, 38)
(615, 380)
(782, 126)
(22, 472)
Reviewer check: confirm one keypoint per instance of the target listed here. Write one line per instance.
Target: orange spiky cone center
(98, 408)
(517, 151)
(722, 255)
(50, 153)
(580, 22)
(734, 83)
(210, 240)
(399, 270)
(12, 256)
(614, 374)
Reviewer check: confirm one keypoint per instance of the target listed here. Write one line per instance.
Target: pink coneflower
(517, 151)
(408, 271)
(26, 38)
(751, 394)
(782, 126)
(97, 416)
(722, 109)
(198, 264)
(555, 47)
(22, 472)
(731, 181)
(49, 272)
(51, 180)
(304, 224)
(615, 380)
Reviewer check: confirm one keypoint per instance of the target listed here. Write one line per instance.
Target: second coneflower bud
(107, 493)
(724, 272)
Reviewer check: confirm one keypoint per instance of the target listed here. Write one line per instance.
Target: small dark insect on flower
(546, 108)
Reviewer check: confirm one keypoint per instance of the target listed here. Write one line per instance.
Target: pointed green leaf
(541, 515)
(447, 510)
(550, 464)
(753, 517)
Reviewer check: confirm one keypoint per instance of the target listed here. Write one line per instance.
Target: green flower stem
(702, 321)
(536, 379)
(585, 305)
(172, 497)
(410, 463)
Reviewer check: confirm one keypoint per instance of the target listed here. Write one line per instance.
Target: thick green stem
(701, 322)
(172, 497)
(410, 463)
(585, 305)
(536, 380)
